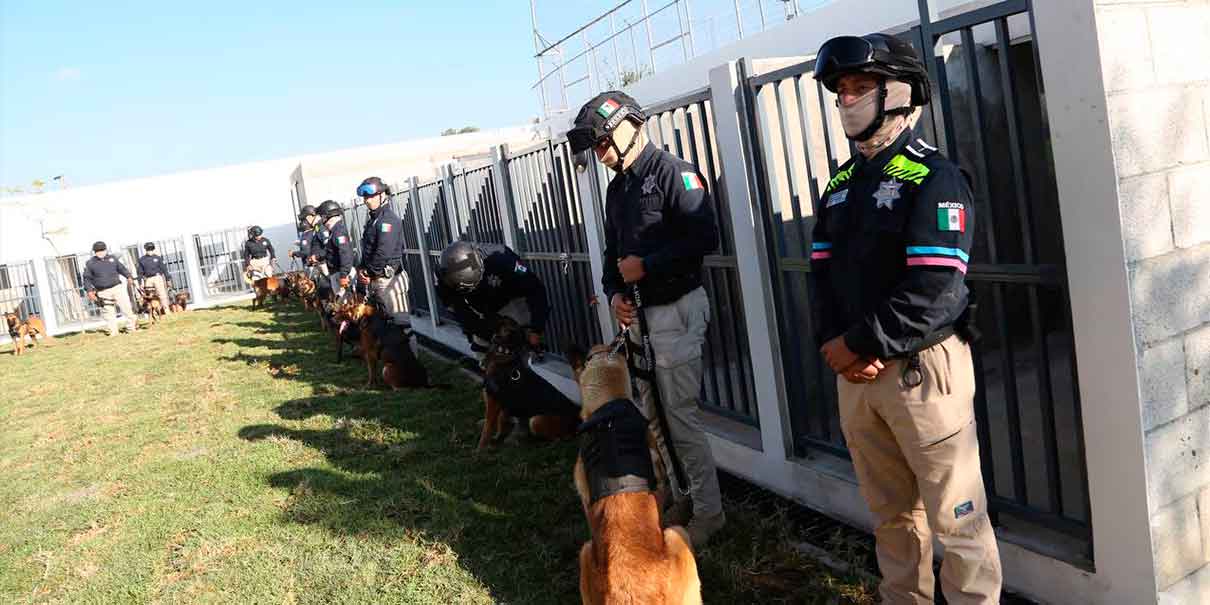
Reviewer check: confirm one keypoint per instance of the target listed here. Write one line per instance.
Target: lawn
(224, 456)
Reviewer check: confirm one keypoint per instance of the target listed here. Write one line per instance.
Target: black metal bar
(778, 75)
(947, 111)
(827, 128)
(1070, 527)
(812, 182)
(1020, 490)
(795, 211)
(971, 18)
(700, 94)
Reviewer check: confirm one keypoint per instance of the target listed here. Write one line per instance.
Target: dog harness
(525, 394)
(613, 446)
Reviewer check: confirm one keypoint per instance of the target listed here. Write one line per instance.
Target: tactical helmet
(461, 266)
(599, 117)
(329, 209)
(306, 211)
(879, 54)
(371, 187)
(149, 246)
(255, 231)
(99, 246)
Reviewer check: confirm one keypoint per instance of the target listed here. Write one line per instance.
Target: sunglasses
(367, 190)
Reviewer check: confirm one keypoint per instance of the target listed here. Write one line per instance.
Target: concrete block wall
(1157, 84)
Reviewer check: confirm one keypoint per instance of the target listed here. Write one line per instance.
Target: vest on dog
(613, 446)
(524, 394)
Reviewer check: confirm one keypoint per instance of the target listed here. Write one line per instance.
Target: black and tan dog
(180, 300)
(265, 286)
(379, 340)
(18, 330)
(512, 388)
(631, 557)
(151, 304)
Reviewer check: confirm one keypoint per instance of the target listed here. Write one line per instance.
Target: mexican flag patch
(691, 181)
(340, 239)
(521, 268)
(951, 216)
(608, 107)
(386, 227)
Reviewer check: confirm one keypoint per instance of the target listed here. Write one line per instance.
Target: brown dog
(263, 287)
(385, 342)
(151, 304)
(179, 301)
(18, 330)
(305, 288)
(630, 559)
(512, 388)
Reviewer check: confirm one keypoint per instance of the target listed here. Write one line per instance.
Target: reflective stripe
(821, 246)
(936, 261)
(825, 255)
(957, 252)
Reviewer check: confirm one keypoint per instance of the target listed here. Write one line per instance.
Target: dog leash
(649, 353)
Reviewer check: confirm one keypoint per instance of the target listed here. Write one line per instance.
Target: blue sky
(116, 89)
(103, 91)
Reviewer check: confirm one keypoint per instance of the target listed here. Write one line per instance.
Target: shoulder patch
(902, 168)
(385, 228)
(520, 268)
(691, 181)
(340, 239)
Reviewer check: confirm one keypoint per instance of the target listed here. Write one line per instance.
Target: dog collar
(613, 446)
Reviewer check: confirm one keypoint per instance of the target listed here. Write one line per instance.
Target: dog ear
(576, 356)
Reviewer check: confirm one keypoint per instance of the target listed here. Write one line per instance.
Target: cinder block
(1189, 194)
(1146, 217)
(1197, 367)
(1176, 540)
(1178, 33)
(1125, 53)
(1153, 130)
(1194, 588)
(1162, 382)
(1170, 294)
(1178, 459)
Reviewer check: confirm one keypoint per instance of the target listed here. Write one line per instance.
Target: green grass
(225, 457)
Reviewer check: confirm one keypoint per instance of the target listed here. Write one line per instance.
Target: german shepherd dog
(512, 388)
(630, 558)
(179, 301)
(305, 288)
(382, 341)
(265, 286)
(151, 305)
(18, 330)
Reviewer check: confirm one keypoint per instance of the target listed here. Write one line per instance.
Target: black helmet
(329, 209)
(461, 266)
(371, 187)
(98, 246)
(877, 54)
(600, 116)
(306, 211)
(149, 246)
(255, 231)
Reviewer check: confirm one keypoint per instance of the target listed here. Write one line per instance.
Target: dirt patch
(90, 492)
(193, 453)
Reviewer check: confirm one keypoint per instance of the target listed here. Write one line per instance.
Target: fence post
(731, 129)
(504, 195)
(590, 202)
(46, 299)
(193, 265)
(429, 289)
(450, 193)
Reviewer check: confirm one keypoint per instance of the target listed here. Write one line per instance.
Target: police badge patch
(494, 281)
(649, 184)
(888, 192)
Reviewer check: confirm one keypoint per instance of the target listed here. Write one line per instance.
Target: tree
(464, 130)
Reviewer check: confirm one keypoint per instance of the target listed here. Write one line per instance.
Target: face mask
(858, 117)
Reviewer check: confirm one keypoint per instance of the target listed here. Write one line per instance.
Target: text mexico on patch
(951, 216)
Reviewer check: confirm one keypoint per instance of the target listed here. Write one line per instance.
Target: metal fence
(72, 307)
(1027, 405)
(19, 291)
(220, 254)
(404, 205)
(172, 253)
(478, 209)
(685, 128)
(551, 238)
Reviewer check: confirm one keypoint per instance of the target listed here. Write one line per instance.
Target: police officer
(104, 287)
(381, 266)
(338, 253)
(258, 254)
(481, 283)
(153, 272)
(889, 256)
(311, 240)
(659, 224)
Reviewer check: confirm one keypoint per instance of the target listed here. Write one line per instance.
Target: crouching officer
(258, 255)
(381, 266)
(104, 287)
(152, 272)
(338, 252)
(311, 242)
(659, 224)
(481, 283)
(889, 256)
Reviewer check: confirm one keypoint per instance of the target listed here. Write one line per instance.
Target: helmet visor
(583, 138)
(842, 55)
(367, 190)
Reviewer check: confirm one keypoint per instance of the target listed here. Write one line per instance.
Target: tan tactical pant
(161, 288)
(112, 300)
(678, 331)
(260, 267)
(393, 294)
(917, 460)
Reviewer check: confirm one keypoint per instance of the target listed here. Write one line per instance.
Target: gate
(418, 296)
(437, 228)
(220, 254)
(18, 291)
(478, 209)
(73, 309)
(685, 128)
(1027, 403)
(551, 238)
